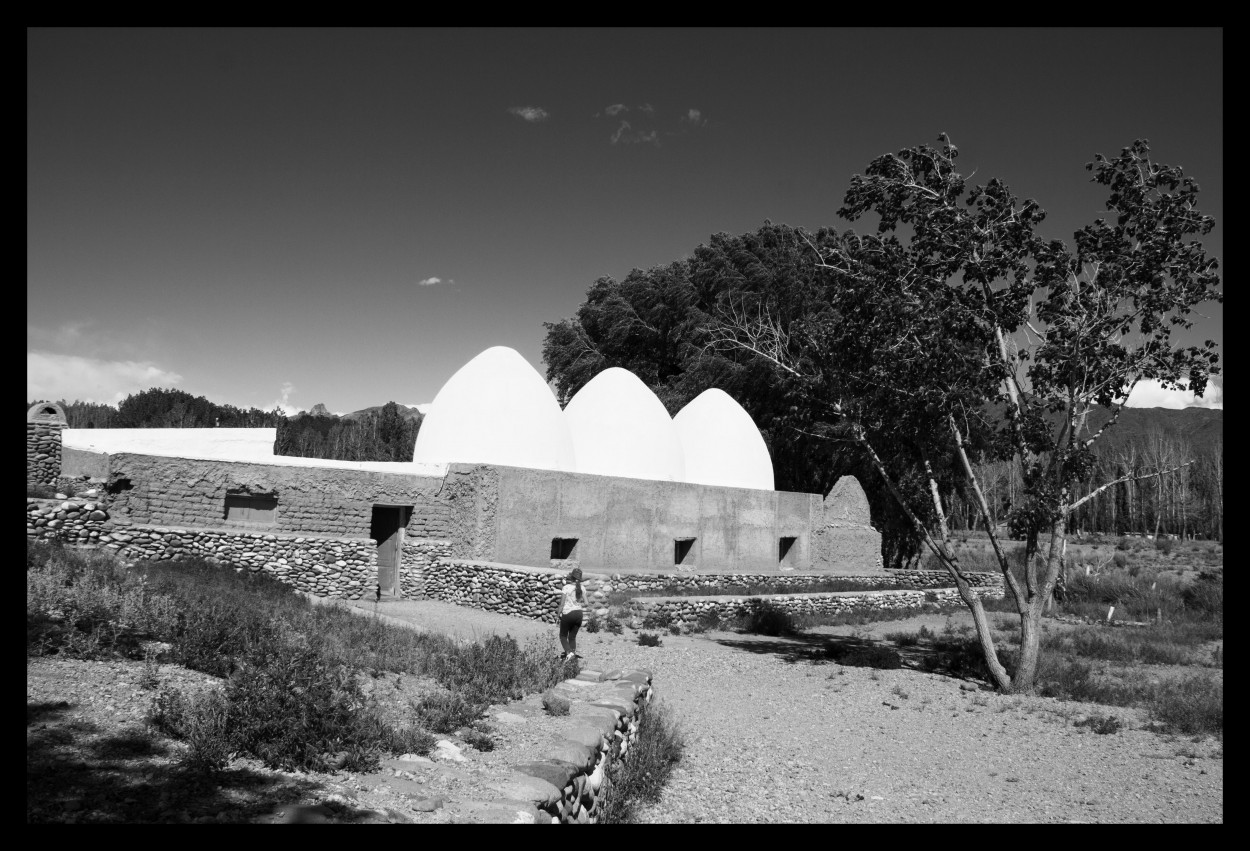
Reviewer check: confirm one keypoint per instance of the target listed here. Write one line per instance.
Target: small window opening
(783, 550)
(682, 549)
(563, 548)
(252, 510)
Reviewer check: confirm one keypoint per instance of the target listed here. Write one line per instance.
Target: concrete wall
(629, 525)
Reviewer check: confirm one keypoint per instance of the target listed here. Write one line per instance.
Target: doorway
(387, 528)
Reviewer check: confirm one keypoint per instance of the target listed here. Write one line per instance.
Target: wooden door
(387, 528)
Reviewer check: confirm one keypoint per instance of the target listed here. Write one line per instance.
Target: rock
(494, 812)
(444, 749)
(509, 718)
(582, 756)
(425, 805)
(525, 787)
(556, 772)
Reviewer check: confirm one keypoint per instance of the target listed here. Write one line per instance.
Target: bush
(649, 639)
(1101, 724)
(613, 625)
(592, 623)
(857, 655)
(657, 619)
(640, 778)
(446, 712)
(479, 741)
(764, 617)
(903, 639)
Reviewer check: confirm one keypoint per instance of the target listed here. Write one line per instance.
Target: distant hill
(1201, 428)
(405, 411)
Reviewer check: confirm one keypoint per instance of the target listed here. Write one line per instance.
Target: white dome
(620, 428)
(496, 409)
(722, 444)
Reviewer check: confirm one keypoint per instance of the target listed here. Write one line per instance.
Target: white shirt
(571, 603)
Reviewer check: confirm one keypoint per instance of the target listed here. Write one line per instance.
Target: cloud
(74, 377)
(1151, 394)
(695, 117)
(625, 135)
(430, 282)
(532, 114)
(647, 109)
(284, 401)
(615, 109)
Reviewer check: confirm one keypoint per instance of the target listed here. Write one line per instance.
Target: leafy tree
(655, 323)
(956, 328)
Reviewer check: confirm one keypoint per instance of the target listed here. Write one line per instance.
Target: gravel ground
(773, 737)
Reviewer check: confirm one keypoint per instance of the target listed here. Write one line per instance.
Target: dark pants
(569, 625)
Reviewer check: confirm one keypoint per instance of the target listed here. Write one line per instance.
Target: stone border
(570, 785)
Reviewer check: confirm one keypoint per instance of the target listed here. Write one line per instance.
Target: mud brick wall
(155, 490)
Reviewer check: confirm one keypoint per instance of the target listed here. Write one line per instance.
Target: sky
(291, 217)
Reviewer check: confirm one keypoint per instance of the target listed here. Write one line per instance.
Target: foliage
(649, 639)
(957, 334)
(858, 654)
(640, 777)
(292, 696)
(1101, 724)
(763, 617)
(387, 434)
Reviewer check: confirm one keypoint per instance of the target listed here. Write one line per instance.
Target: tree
(654, 323)
(955, 333)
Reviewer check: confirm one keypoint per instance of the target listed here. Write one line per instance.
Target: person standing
(572, 601)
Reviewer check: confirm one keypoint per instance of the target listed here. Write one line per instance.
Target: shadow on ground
(955, 659)
(76, 774)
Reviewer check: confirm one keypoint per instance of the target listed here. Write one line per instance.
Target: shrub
(38, 491)
(903, 639)
(641, 777)
(764, 617)
(1165, 545)
(555, 704)
(592, 623)
(446, 712)
(1124, 544)
(649, 639)
(857, 655)
(1101, 724)
(1119, 560)
(657, 619)
(613, 625)
(480, 741)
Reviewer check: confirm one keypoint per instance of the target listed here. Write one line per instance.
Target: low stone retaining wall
(571, 785)
(74, 521)
(728, 583)
(419, 557)
(527, 592)
(534, 592)
(688, 610)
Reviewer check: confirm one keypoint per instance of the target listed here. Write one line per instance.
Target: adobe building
(500, 476)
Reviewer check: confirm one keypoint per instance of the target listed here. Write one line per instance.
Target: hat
(576, 573)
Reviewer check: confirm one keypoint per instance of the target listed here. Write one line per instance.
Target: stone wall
(532, 592)
(323, 565)
(72, 521)
(603, 731)
(688, 610)
(43, 452)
